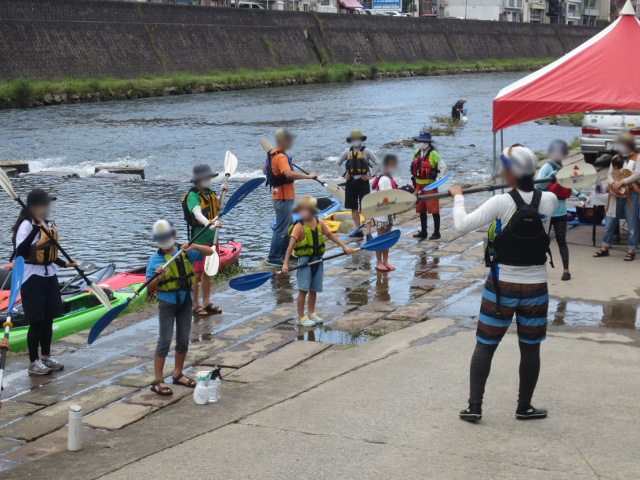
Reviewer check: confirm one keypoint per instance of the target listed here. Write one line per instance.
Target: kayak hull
(334, 221)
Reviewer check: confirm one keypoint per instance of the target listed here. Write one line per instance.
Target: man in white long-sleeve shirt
(517, 283)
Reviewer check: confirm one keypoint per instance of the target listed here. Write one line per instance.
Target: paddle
(334, 189)
(17, 273)
(212, 262)
(239, 195)
(254, 280)
(5, 183)
(389, 202)
(437, 183)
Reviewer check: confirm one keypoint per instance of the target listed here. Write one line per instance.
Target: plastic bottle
(201, 393)
(214, 385)
(74, 431)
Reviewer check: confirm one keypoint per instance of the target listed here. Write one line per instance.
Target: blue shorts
(310, 278)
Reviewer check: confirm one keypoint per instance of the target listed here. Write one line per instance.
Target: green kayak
(79, 313)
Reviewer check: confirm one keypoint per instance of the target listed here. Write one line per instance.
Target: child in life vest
(385, 223)
(174, 291)
(307, 242)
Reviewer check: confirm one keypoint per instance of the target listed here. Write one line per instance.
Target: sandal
(191, 383)
(212, 309)
(162, 391)
(199, 311)
(601, 253)
(630, 256)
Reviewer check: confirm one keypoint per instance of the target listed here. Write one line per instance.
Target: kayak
(79, 313)
(334, 221)
(229, 253)
(326, 206)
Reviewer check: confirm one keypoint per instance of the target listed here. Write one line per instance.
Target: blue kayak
(326, 206)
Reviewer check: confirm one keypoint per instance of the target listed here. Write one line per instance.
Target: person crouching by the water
(307, 242)
(623, 199)
(426, 167)
(558, 151)
(173, 289)
(517, 282)
(200, 206)
(385, 223)
(456, 110)
(40, 291)
(359, 161)
(280, 178)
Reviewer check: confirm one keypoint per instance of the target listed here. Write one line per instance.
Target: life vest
(312, 243)
(274, 180)
(376, 181)
(44, 252)
(554, 187)
(179, 275)
(356, 163)
(424, 168)
(208, 204)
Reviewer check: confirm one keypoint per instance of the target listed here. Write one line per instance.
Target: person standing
(358, 160)
(200, 206)
(558, 151)
(357, 61)
(40, 290)
(280, 177)
(623, 207)
(517, 282)
(456, 110)
(426, 167)
(384, 223)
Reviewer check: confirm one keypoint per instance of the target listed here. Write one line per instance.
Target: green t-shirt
(193, 200)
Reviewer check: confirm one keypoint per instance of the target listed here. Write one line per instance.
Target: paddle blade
(240, 194)
(577, 176)
(17, 272)
(266, 145)
(336, 191)
(249, 282)
(105, 320)
(212, 264)
(386, 202)
(230, 163)
(5, 183)
(437, 183)
(100, 295)
(383, 242)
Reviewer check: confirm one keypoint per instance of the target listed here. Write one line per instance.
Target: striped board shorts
(528, 302)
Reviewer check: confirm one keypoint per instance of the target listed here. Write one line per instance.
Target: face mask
(356, 143)
(204, 184)
(166, 244)
(423, 145)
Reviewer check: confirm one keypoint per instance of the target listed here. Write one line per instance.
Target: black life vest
(274, 180)
(356, 163)
(208, 204)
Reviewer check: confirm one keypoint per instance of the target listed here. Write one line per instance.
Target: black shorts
(41, 299)
(354, 191)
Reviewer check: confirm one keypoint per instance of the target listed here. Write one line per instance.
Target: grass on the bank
(228, 273)
(23, 93)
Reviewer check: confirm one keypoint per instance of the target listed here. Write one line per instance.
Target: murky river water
(104, 220)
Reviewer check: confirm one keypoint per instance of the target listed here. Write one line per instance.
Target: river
(105, 220)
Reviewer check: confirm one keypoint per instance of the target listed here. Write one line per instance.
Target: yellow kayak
(334, 221)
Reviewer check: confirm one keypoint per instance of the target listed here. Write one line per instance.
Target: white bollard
(74, 433)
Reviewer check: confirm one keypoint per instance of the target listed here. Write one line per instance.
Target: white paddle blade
(386, 202)
(335, 190)
(266, 145)
(100, 295)
(230, 163)
(5, 183)
(577, 176)
(212, 264)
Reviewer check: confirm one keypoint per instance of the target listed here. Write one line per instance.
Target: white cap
(520, 160)
(162, 230)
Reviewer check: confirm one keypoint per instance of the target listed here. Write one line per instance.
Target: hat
(162, 230)
(423, 137)
(627, 139)
(284, 134)
(520, 160)
(356, 134)
(307, 201)
(39, 197)
(200, 172)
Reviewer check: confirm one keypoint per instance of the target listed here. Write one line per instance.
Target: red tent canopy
(602, 73)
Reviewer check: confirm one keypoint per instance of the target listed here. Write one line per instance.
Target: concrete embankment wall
(44, 39)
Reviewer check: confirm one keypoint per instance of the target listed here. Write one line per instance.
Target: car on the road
(600, 129)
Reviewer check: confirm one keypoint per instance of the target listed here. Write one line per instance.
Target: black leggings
(529, 371)
(39, 335)
(559, 225)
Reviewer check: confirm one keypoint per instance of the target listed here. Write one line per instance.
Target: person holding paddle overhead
(280, 178)
(359, 162)
(517, 283)
(40, 290)
(173, 288)
(425, 168)
(200, 206)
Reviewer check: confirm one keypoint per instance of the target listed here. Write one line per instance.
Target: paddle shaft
(324, 184)
(223, 197)
(3, 359)
(486, 188)
(324, 259)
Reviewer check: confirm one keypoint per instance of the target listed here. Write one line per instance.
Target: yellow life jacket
(44, 252)
(179, 275)
(356, 163)
(208, 204)
(311, 244)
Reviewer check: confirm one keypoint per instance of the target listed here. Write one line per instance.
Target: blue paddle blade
(105, 320)
(17, 272)
(438, 183)
(249, 282)
(383, 242)
(240, 194)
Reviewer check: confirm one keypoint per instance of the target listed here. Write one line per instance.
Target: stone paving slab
(50, 418)
(355, 321)
(201, 350)
(50, 393)
(150, 399)
(240, 355)
(145, 377)
(282, 359)
(414, 312)
(8, 444)
(15, 409)
(117, 415)
(384, 326)
(51, 443)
